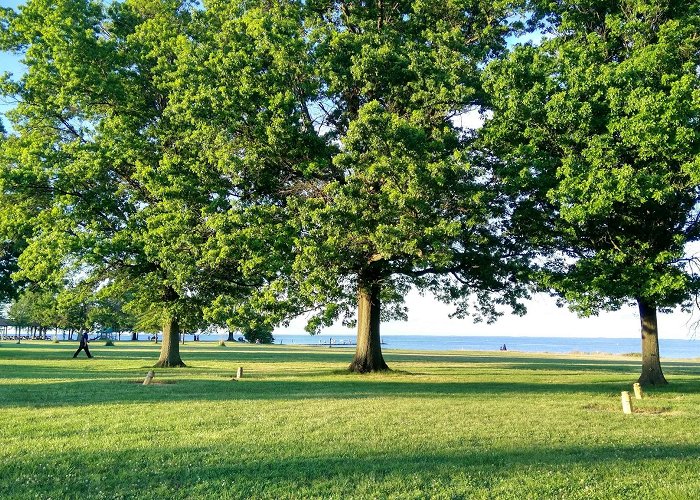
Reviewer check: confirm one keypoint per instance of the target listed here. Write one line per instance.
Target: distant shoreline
(625, 347)
(629, 347)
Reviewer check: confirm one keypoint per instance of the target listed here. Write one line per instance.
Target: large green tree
(394, 200)
(92, 136)
(247, 77)
(596, 132)
(348, 181)
(158, 131)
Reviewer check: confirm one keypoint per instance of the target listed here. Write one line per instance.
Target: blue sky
(428, 316)
(10, 3)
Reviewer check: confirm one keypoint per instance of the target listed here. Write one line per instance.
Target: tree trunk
(230, 336)
(170, 348)
(651, 364)
(134, 336)
(368, 355)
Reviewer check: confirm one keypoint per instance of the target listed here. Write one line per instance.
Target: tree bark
(230, 336)
(368, 354)
(651, 364)
(134, 336)
(170, 347)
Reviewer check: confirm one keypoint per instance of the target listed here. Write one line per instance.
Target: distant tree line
(40, 311)
(239, 164)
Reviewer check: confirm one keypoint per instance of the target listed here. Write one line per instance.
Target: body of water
(669, 348)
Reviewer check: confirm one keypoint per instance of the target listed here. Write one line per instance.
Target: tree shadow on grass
(224, 472)
(149, 352)
(129, 389)
(246, 353)
(83, 369)
(88, 382)
(547, 363)
(275, 354)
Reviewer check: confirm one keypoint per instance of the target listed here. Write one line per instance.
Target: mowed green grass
(442, 425)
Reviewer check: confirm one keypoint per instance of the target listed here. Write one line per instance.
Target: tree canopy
(94, 148)
(596, 130)
(385, 195)
(145, 178)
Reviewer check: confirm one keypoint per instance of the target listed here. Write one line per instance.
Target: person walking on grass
(83, 345)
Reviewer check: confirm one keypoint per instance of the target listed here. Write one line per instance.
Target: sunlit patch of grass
(461, 424)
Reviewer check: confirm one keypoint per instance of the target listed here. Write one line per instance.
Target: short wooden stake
(239, 373)
(626, 403)
(149, 377)
(637, 390)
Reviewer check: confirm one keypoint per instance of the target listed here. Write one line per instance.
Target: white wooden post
(637, 390)
(626, 403)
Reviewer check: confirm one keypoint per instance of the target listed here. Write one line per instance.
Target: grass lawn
(442, 425)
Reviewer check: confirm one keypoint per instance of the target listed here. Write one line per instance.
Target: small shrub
(222, 343)
(259, 334)
(108, 342)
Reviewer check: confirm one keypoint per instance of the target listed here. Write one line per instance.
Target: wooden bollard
(626, 403)
(149, 377)
(239, 373)
(637, 390)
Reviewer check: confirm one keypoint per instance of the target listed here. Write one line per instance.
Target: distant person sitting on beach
(504, 347)
(83, 345)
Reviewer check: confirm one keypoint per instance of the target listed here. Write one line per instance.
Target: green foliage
(70, 309)
(25, 310)
(258, 335)
(62, 146)
(115, 199)
(9, 253)
(596, 130)
(73, 306)
(448, 424)
(361, 175)
(109, 313)
(13, 232)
